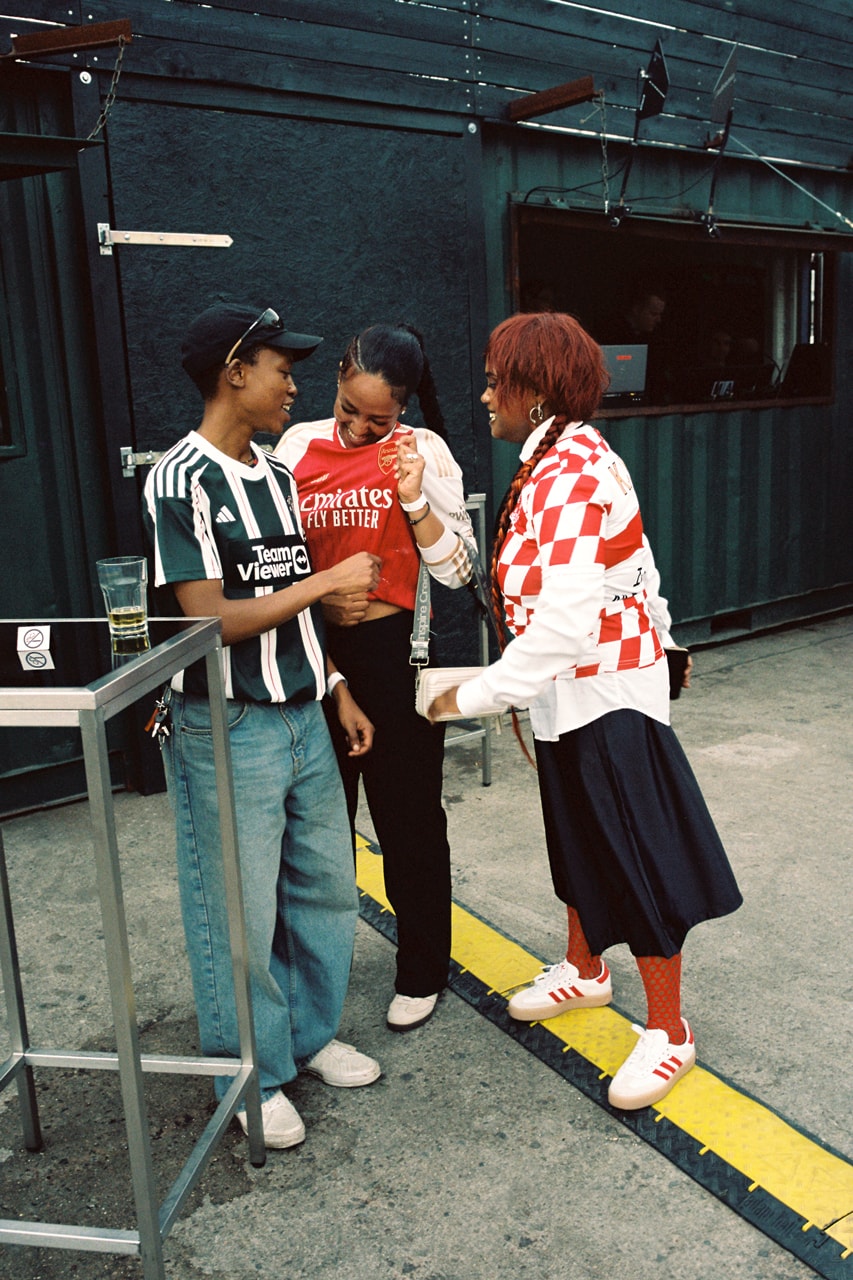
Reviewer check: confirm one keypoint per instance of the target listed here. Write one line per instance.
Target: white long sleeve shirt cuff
(559, 635)
(447, 559)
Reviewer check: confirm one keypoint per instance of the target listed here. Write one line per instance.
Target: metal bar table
(39, 699)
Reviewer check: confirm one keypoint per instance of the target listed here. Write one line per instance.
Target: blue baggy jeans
(299, 892)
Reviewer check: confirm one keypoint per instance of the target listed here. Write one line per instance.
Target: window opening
(742, 318)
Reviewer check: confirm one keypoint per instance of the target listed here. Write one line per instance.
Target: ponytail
(428, 400)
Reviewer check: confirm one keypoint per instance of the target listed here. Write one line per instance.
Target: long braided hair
(549, 357)
(507, 507)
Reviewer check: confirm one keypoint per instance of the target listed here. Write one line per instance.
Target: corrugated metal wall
(794, 87)
(748, 509)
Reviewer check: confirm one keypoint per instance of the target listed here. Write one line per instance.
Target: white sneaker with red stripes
(559, 988)
(651, 1069)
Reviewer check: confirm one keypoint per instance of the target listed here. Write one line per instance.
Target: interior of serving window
(721, 319)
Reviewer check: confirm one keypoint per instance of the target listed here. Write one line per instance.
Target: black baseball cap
(216, 336)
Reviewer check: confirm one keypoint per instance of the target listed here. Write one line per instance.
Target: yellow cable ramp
(793, 1169)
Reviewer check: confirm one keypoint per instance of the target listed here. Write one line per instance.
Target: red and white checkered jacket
(580, 592)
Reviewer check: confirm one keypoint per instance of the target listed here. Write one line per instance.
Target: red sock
(578, 952)
(662, 982)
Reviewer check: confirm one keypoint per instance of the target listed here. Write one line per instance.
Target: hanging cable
(601, 110)
(567, 191)
(675, 195)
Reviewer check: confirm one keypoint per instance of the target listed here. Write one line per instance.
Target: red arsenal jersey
(348, 501)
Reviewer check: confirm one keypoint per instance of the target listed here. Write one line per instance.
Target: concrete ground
(470, 1159)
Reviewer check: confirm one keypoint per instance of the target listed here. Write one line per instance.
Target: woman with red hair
(633, 850)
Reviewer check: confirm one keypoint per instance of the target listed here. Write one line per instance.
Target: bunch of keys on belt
(157, 726)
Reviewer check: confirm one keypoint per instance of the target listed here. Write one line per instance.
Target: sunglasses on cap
(269, 318)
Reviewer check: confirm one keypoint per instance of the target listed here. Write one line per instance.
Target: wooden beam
(70, 39)
(564, 95)
(22, 155)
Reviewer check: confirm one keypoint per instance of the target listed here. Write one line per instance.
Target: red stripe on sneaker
(667, 1069)
(562, 994)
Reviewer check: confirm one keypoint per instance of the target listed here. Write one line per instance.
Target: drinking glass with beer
(123, 581)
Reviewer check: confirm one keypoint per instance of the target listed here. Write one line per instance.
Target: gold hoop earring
(537, 414)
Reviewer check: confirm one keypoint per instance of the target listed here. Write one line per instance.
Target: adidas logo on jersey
(224, 516)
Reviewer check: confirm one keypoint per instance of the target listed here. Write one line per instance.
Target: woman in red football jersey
(369, 483)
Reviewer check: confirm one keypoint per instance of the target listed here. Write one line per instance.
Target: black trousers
(402, 778)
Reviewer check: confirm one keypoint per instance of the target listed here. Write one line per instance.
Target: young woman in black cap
(223, 522)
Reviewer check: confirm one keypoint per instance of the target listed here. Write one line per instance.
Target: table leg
(15, 1011)
(92, 728)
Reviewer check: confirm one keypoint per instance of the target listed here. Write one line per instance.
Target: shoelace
(548, 971)
(648, 1052)
(337, 1052)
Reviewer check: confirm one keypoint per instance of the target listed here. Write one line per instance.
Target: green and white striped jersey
(209, 516)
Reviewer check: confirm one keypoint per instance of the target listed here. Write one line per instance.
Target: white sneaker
(407, 1012)
(559, 988)
(651, 1069)
(343, 1066)
(282, 1123)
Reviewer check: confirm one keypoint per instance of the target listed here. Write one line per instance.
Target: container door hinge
(130, 460)
(107, 237)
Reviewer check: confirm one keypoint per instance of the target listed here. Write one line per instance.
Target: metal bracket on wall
(107, 237)
(130, 460)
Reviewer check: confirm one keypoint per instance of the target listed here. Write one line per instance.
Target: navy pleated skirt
(631, 843)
